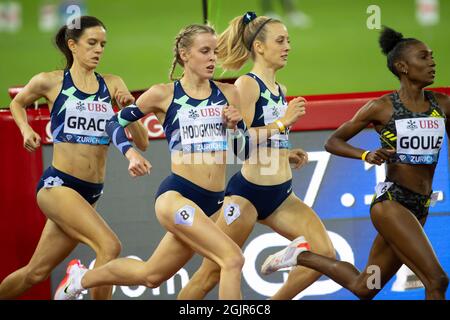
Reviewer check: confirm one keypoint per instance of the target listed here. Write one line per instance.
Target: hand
(231, 116)
(139, 166)
(31, 140)
(296, 109)
(298, 158)
(379, 156)
(123, 99)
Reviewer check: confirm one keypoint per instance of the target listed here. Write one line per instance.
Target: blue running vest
(78, 117)
(193, 125)
(268, 109)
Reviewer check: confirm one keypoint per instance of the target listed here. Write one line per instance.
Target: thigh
(405, 235)
(199, 232)
(383, 260)
(245, 216)
(294, 218)
(75, 216)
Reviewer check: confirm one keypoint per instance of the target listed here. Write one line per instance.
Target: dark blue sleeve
(241, 141)
(115, 126)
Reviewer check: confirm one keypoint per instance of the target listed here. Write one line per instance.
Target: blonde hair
(184, 40)
(235, 44)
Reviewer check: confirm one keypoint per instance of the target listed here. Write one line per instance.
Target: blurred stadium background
(337, 53)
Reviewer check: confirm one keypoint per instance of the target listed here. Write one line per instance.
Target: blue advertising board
(340, 190)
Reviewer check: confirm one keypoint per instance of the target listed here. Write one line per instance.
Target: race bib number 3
(231, 213)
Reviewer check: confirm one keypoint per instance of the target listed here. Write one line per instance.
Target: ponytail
(235, 44)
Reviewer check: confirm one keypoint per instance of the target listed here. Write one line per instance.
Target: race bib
(419, 140)
(185, 216)
(382, 187)
(87, 118)
(231, 213)
(434, 198)
(202, 129)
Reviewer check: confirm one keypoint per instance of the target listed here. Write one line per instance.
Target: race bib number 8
(185, 216)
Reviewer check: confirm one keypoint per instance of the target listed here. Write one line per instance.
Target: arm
(38, 87)
(149, 101)
(297, 157)
(444, 102)
(123, 97)
(337, 143)
(234, 120)
(249, 94)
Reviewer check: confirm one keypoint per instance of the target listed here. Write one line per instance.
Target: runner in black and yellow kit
(411, 123)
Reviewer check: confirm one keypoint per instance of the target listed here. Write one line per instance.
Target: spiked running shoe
(67, 289)
(285, 258)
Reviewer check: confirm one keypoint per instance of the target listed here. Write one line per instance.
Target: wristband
(364, 155)
(281, 126)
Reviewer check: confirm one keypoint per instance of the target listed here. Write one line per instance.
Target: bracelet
(364, 155)
(281, 126)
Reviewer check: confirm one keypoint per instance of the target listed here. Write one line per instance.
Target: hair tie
(249, 16)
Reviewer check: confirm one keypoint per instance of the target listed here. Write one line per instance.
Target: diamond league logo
(411, 125)
(275, 112)
(80, 106)
(193, 114)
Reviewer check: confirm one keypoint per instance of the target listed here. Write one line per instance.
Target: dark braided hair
(393, 45)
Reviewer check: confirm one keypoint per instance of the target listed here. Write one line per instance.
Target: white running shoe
(70, 287)
(285, 258)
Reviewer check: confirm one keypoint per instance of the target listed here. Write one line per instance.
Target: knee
(110, 249)
(234, 261)
(438, 283)
(362, 290)
(152, 280)
(35, 275)
(328, 252)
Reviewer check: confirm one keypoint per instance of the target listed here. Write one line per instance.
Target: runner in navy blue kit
(262, 190)
(195, 112)
(80, 105)
(411, 123)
